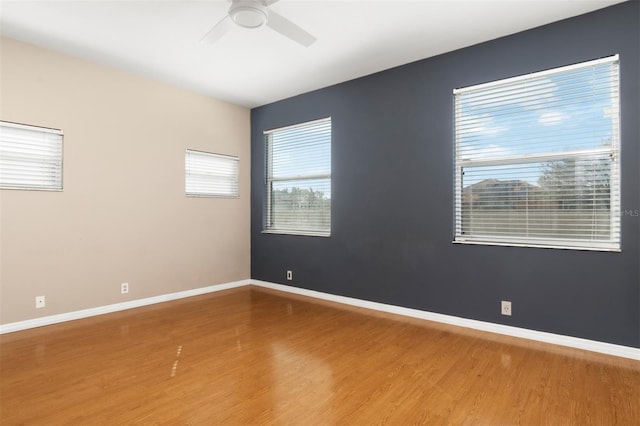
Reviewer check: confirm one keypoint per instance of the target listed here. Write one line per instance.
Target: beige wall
(123, 215)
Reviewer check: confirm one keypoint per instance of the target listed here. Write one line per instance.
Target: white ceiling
(161, 38)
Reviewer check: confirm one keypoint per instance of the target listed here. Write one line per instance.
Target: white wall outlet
(40, 302)
(124, 288)
(289, 275)
(506, 308)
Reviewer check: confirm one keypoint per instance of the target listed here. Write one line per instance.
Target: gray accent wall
(392, 193)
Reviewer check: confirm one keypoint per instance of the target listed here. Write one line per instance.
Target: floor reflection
(303, 384)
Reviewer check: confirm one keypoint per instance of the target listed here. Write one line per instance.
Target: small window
(30, 157)
(210, 175)
(298, 179)
(537, 159)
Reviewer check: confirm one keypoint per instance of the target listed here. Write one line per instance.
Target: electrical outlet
(289, 275)
(40, 303)
(506, 308)
(124, 288)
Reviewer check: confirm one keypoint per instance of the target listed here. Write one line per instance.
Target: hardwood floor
(255, 356)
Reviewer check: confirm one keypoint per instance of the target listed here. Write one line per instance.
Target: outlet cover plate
(506, 308)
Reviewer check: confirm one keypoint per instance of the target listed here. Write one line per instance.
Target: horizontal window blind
(298, 179)
(30, 157)
(537, 159)
(210, 175)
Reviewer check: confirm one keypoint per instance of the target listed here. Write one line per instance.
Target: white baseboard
(541, 336)
(54, 319)
(557, 339)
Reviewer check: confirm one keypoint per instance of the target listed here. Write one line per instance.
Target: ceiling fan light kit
(248, 14)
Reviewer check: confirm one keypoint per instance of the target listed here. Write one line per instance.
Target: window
(537, 159)
(30, 157)
(298, 179)
(210, 175)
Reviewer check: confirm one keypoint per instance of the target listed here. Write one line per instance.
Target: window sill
(538, 245)
(301, 233)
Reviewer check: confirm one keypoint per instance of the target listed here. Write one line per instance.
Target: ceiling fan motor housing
(248, 13)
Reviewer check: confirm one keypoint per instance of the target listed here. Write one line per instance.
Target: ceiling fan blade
(269, 2)
(217, 31)
(288, 29)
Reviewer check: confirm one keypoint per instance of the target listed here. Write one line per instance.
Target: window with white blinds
(210, 175)
(537, 159)
(30, 157)
(298, 179)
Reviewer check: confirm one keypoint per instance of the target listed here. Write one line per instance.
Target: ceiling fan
(254, 14)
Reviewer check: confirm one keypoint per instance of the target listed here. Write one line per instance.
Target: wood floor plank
(257, 356)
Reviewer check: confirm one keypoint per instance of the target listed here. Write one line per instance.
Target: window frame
(205, 154)
(56, 160)
(270, 180)
(612, 151)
